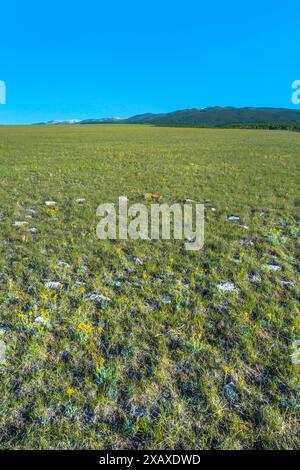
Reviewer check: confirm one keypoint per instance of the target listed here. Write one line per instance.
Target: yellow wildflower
(85, 328)
(70, 392)
(100, 361)
(137, 423)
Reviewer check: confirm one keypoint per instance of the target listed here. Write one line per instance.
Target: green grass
(210, 370)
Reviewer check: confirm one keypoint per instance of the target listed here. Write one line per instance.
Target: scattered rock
(288, 283)
(226, 286)
(4, 327)
(233, 218)
(79, 284)
(100, 300)
(80, 200)
(247, 241)
(52, 285)
(256, 278)
(33, 230)
(30, 213)
(138, 261)
(167, 299)
(50, 203)
(2, 352)
(40, 320)
(20, 224)
(295, 356)
(213, 209)
(230, 392)
(271, 267)
(63, 264)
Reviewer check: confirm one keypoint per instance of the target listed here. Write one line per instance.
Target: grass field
(170, 361)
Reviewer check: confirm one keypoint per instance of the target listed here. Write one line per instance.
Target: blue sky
(63, 59)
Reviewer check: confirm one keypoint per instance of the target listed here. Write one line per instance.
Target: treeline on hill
(250, 118)
(214, 117)
(270, 126)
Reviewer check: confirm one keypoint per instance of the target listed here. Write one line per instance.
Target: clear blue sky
(63, 59)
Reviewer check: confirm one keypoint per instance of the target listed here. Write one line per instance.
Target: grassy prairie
(171, 361)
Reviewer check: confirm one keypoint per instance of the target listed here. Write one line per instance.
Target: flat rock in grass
(271, 267)
(230, 392)
(213, 209)
(50, 203)
(233, 218)
(138, 261)
(100, 300)
(80, 200)
(167, 299)
(63, 264)
(30, 213)
(256, 278)
(40, 321)
(2, 352)
(52, 285)
(226, 286)
(20, 224)
(78, 284)
(4, 328)
(33, 230)
(288, 283)
(247, 242)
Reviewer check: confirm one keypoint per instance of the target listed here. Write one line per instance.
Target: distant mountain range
(272, 118)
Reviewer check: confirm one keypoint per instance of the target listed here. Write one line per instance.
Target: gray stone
(52, 285)
(226, 286)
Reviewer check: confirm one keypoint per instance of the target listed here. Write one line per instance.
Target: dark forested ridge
(258, 118)
(225, 117)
